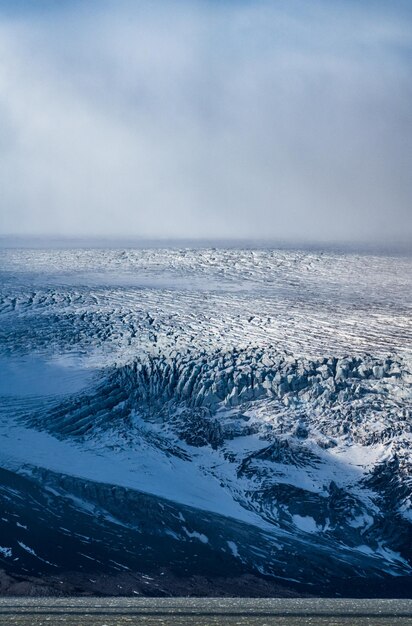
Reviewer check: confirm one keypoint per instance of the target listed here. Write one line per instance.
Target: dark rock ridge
(117, 541)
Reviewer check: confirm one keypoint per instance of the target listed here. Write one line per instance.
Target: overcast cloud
(282, 119)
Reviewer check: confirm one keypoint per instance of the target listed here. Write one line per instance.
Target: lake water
(204, 612)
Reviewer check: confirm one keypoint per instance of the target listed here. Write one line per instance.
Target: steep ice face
(273, 388)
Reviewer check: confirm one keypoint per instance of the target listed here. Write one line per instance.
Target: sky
(283, 119)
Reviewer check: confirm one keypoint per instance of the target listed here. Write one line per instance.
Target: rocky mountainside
(214, 422)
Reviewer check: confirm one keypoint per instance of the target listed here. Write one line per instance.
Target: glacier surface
(251, 406)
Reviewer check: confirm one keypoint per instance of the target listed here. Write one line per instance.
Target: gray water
(204, 612)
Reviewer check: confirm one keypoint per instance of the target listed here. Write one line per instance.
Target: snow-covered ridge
(231, 378)
(360, 393)
(311, 446)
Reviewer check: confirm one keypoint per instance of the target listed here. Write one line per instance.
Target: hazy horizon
(61, 242)
(240, 120)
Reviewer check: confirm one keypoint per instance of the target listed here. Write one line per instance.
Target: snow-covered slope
(261, 399)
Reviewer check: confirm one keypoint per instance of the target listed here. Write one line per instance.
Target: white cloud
(207, 119)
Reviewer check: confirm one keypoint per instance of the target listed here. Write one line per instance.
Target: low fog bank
(58, 242)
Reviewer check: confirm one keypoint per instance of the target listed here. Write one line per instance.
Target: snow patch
(305, 523)
(195, 535)
(233, 548)
(7, 552)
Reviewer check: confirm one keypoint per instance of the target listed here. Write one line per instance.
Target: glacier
(171, 416)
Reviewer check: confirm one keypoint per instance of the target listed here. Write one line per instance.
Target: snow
(233, 548)
(21, 525)
(362, 521)
(266, 296)
(172, 371)
(305, 523)
(36, 376)
(195, 535)
(27, 548)
(7, 552)
(169, 478)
